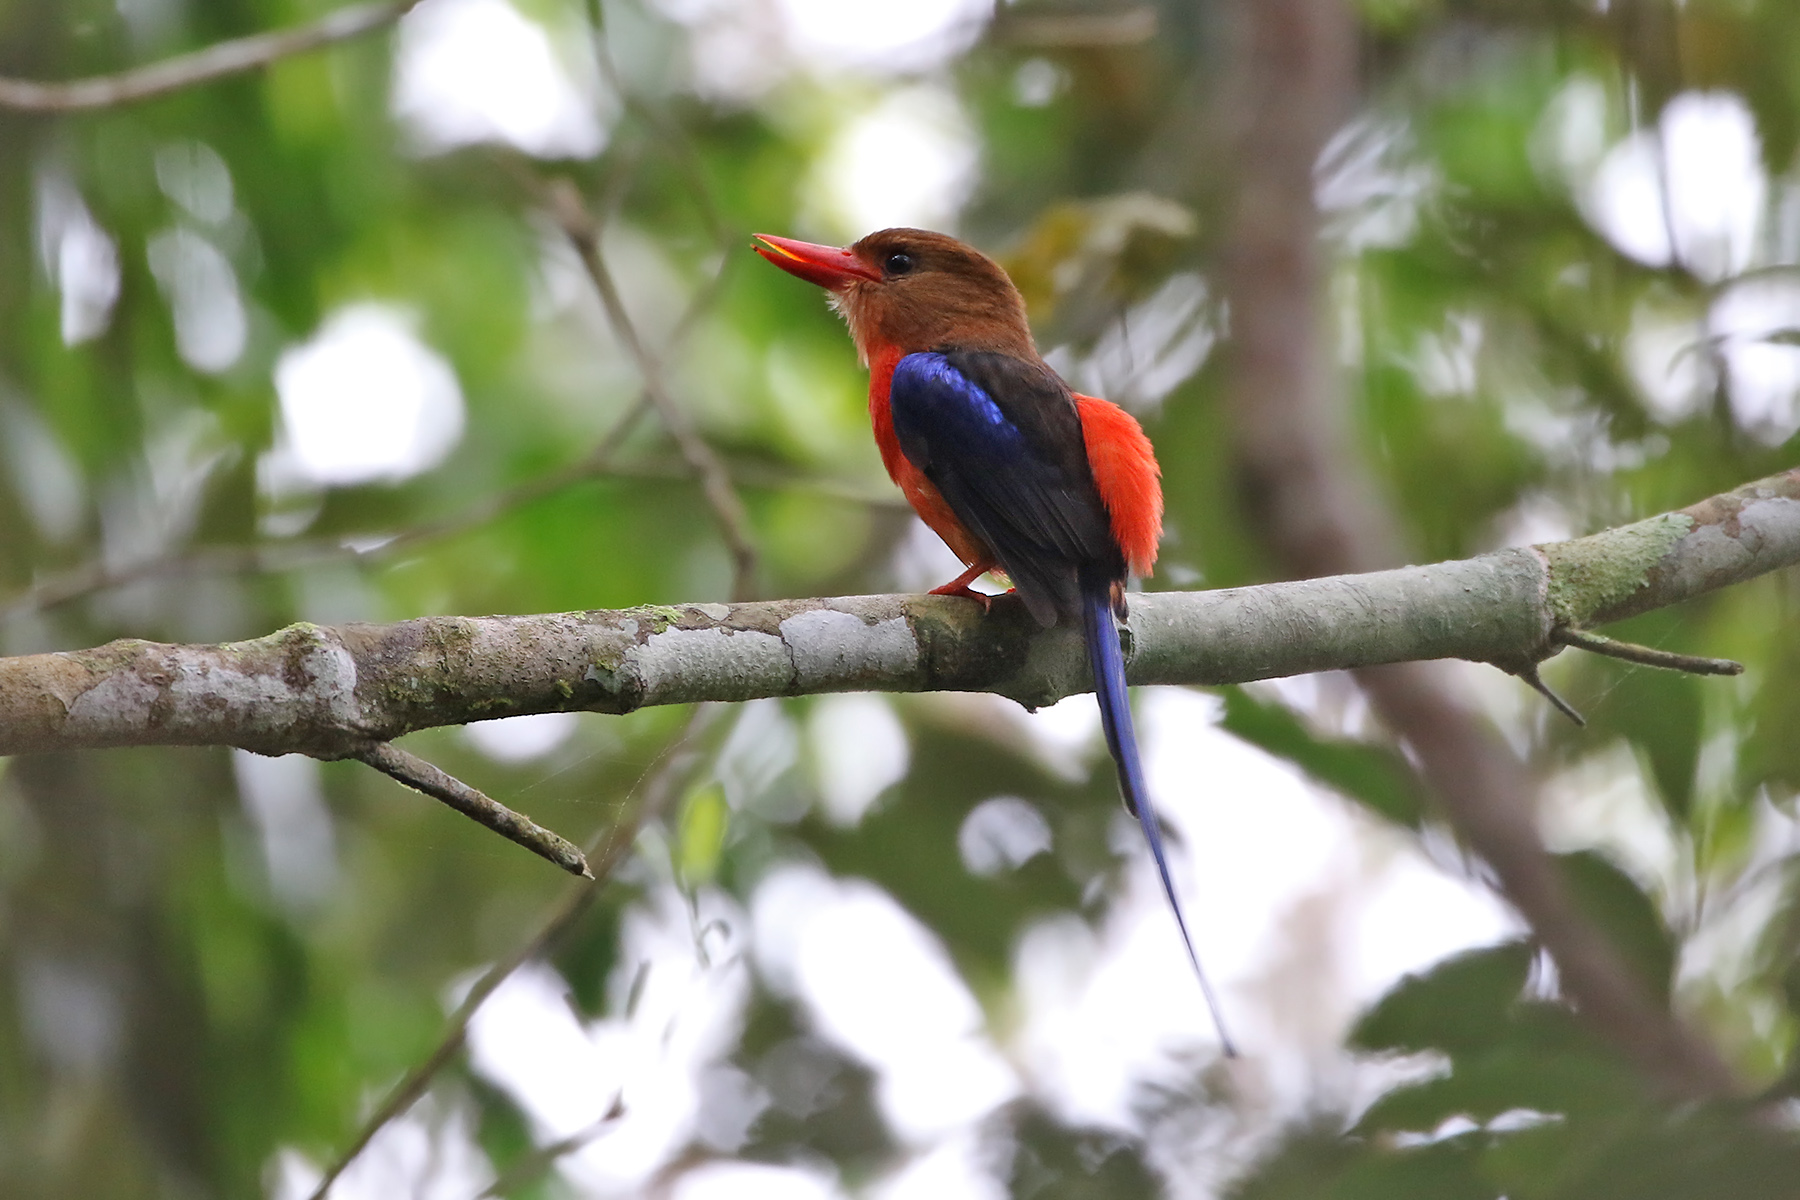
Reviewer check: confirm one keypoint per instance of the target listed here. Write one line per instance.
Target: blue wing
(1000, 438)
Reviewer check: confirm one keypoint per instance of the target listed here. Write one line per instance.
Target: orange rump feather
(1126, 473)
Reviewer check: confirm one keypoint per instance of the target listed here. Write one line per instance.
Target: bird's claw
(958, 588)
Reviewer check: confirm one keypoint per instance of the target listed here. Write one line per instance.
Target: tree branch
(202, 66)
(476, 805)
(332, 691)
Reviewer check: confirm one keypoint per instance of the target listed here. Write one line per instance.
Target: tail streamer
(1108, 661)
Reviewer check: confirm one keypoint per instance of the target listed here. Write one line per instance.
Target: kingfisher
(1015, 471)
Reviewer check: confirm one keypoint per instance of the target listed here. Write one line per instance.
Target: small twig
(202, 66)
(87, 580)
(422, 776)
(287, 555)
(91, 578)
(1647, 656)
(715, 482)
(608, 849)
(531, 1165)
(673, 134)
(1529, 673)
(1077, 30)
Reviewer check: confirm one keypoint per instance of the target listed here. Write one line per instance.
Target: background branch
(433, 781)
(91, 579)
(1307, 492)
(607, 850)
(202, 66)
(602, 461)
(728, 507)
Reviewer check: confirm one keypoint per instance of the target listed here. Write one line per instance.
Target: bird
(1014, 470)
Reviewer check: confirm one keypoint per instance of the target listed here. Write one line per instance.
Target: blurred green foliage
(1514, 374)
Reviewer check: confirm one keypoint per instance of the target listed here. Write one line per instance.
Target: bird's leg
(960, 585)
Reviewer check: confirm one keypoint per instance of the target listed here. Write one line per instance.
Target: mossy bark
(332, 692)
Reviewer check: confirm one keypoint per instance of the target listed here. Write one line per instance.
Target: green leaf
(705, 819)
(1659, 712)
(1375, 775)
(1441, 1170)
(1638, 1150)
(1521, 1074)
(1464, 1003)
(1317, 1164)
(1052, 1161)
(1771, 752)
(1629, 918)
(586, 955)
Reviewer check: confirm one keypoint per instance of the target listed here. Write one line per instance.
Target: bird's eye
(898, 264)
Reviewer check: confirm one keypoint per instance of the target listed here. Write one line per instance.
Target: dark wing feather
(1000, 438)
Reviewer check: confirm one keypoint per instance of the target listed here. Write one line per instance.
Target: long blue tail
(1108, 661)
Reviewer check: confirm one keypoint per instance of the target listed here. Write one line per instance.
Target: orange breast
(919, 491)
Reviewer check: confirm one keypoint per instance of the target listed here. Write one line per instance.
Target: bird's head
(912, 290)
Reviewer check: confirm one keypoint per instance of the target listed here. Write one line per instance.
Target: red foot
(960, 586)
(949, 589)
